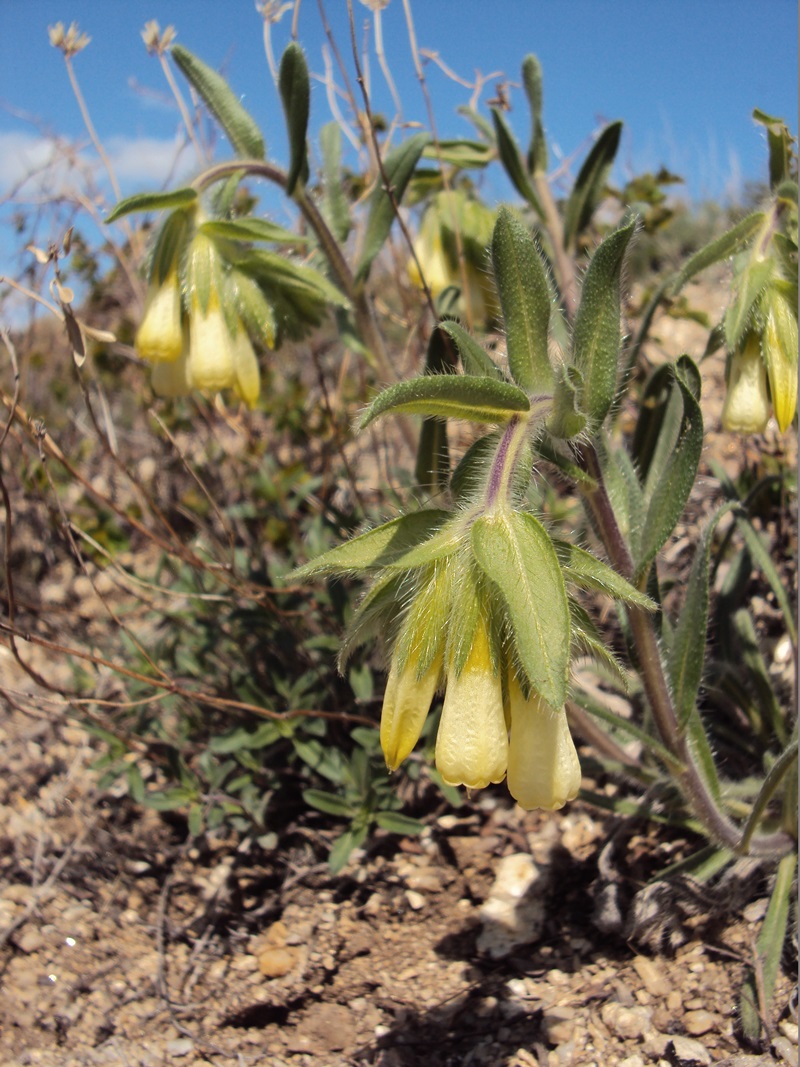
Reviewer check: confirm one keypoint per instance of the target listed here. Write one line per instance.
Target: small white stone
(687, 1050)
(415, 900)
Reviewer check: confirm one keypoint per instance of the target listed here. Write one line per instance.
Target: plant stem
(657, 687)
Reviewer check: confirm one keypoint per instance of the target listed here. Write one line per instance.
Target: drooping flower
(472, 743)
(747, 407)
(543, 767)
(159, 337)
(406, 703)
(780, 352)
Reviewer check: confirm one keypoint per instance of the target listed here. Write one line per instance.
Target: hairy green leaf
(525, 299)
(720, 248)
(239, 125)
(376, 548)
(398, 166)
(295, 89)
(511, 158)
(596, 339)
(251, 229)
(153, 202)
(590, 183)
(334, 201)
(516, 554)
(666, 494)
(450, 396)
(589, 572)
(474, 357)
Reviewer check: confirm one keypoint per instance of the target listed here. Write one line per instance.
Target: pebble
(784, 1048)
(700, 1022)
(181, 1046)
(558, 1023)
(416, 900)
(30, 940)
(514, 913)
(632, 1061)
(789, 1029)
(627, 1023)
(275, 961)
(686, 1052)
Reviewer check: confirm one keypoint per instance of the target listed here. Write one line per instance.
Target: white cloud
(32, 166)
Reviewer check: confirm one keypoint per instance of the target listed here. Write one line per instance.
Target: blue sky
(684, 75)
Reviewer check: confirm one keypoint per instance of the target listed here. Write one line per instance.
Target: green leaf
(334, 201)
(295, 89)
(591, 183)
(750, 284)
(565, 419)
(169, 245)
(450, 396)
(596, 339)
(589, 572)
(153, 202)
(514, 551)
(474, 357)
(769, 948)
(396, 823)
(460, 153)
(666, 494)
(251, 229)
(275, 270)
(511, 158)
(687, 654)
(532, 83)
(330, 803)
(762, 558)
(525, 300)
(433, 457)
(376, 548)
(780, 141)
(239, 125)
(398, 166)
(344, 845)
(719, 249)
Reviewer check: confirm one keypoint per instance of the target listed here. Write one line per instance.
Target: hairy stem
(657, 687)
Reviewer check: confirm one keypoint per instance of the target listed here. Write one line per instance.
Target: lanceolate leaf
(376, 548)
(222, 102)
(433, 457)
(448, 395)
(596, 338)
(250, 229)
(525, 299)
(590, 183)
(589, 572)
(399, 166)
(687, 654)
(153, 202)
(280, 272)
(511, 158)
(515, 552)
(334, 202)
(474, 357)
(751, 284)
(668, 495)
(295, 90)
(721, 248)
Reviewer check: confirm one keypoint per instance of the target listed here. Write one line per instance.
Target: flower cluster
(493, 723)
(205, 345)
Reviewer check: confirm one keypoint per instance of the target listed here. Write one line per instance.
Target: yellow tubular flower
(406, 703)
(211, 361)
(780, 341)
(169, 379)
(248, 376)
(159, 337)
(472, 743)
(543, 767)
(747, 408)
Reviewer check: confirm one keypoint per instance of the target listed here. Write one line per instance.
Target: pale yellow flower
(543, 767)
(406, 703)
(472, 743)
(747, 407)
(780, 343)
(169, 378)
(160, 337)
(246, 370)
(210, 366)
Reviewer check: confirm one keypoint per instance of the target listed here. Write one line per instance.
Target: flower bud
(543, 767)
(747, 408)
(160, 337)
